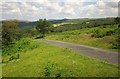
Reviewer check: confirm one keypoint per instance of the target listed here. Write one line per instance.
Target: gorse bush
(116, 43)
(99, 33)
(23, 44)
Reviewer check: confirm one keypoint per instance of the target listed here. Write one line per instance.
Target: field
(48, 60)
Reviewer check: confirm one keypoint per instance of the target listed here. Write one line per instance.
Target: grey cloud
(112, 4)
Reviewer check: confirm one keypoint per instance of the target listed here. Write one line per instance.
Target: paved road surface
(108, 56)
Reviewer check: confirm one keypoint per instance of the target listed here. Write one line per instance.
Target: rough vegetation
(24, 56)
(105, 37)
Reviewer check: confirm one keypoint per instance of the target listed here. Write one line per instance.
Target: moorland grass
(104, 39)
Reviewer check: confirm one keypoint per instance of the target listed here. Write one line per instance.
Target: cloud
(112, 4)
(100, 4)
(100, 9)
(67, 9)
(10, 8)
(34, 8)
(55, 9)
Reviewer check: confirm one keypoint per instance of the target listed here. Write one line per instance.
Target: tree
(43, 26)
(117, 20)
(10, 32)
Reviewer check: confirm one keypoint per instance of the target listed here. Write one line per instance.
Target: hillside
(77, 23)
(104, 37)
(26, 25)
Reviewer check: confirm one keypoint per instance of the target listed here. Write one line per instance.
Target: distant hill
(29, 25)
(26, 25)
(75, 24)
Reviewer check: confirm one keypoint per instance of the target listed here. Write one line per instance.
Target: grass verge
(50, 61)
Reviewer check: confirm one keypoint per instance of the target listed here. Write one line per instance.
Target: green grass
(84, 36)
(48, 60)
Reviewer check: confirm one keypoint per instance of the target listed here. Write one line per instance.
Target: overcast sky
(57, 9)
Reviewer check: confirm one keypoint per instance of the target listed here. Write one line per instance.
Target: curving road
(108, 56)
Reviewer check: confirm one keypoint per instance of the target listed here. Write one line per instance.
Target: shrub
(22, 45)
(52, 69)
(40, 36)
(14, 57)
(110, 32)
(67, 36)
(98, 33)
(116, 43)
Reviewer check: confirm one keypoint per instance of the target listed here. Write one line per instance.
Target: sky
(33, 10)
